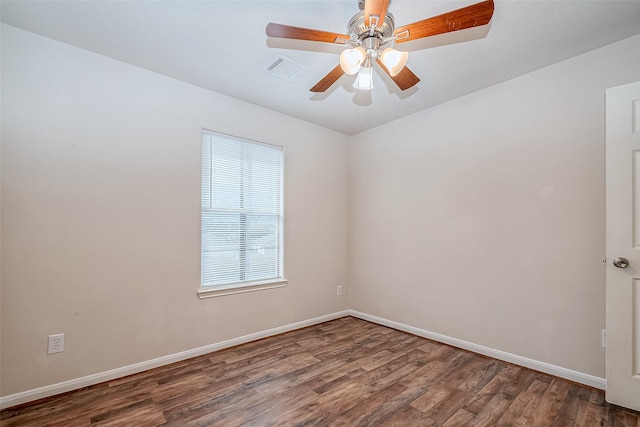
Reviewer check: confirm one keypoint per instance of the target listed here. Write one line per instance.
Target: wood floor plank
(589, 415)
(549, 408)
(569, 410)
(340, 399)
(460, 418)
(478, 376)
(189, 411)
(268, 411)
(519, 411)
(346, 372)
(441, 402)
(496, 386)
(492, 411)
(394, 370)
(196, 393)
(142, 414)
(366, 412)
(285, 366)
(410, 343)
(406, 416)
(252, 364)
(624, 418)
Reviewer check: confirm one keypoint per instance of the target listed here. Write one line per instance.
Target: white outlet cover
(56, 344)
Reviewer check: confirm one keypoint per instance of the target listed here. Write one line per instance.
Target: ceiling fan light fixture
(394, 60)
(371, 30)
(364, 79)
(352, 59)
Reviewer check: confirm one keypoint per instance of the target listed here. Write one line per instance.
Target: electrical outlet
(339, 290)
(604, 338)
(56, 343)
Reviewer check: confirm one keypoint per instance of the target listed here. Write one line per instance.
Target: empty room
(330, 213)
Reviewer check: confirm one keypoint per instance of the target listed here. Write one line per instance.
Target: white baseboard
(547, 368)
(63, 387)
(51, 390)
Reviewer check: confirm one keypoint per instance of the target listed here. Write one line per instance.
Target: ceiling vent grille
(285, 68)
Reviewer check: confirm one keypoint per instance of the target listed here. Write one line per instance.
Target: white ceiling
(222, 46)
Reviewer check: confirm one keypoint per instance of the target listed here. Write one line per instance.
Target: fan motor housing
(359, 32)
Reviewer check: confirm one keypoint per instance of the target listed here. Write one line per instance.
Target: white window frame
(214, 290)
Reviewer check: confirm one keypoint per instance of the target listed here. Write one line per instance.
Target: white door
(623, 244)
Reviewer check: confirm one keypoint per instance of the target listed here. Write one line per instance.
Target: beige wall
(100, 215)
(483, 218)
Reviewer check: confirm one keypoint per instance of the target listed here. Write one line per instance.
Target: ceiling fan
(370, 34)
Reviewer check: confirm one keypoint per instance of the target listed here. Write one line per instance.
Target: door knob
(621, 262)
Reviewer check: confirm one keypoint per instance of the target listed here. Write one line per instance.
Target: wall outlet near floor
(604, 338)
(56, 344)
(339, 290)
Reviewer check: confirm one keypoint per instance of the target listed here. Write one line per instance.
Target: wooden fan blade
(328, 80)
(404, 79)
(299, 33)
(375, 7)
(459, 19)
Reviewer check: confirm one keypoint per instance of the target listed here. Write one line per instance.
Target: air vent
(285, 68)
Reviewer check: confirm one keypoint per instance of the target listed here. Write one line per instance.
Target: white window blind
(241, 211)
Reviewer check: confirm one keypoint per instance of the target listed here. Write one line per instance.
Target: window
(241, 245)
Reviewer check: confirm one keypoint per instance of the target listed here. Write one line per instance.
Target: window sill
(219, 291)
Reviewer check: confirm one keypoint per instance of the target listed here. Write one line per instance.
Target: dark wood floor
(347, 372)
